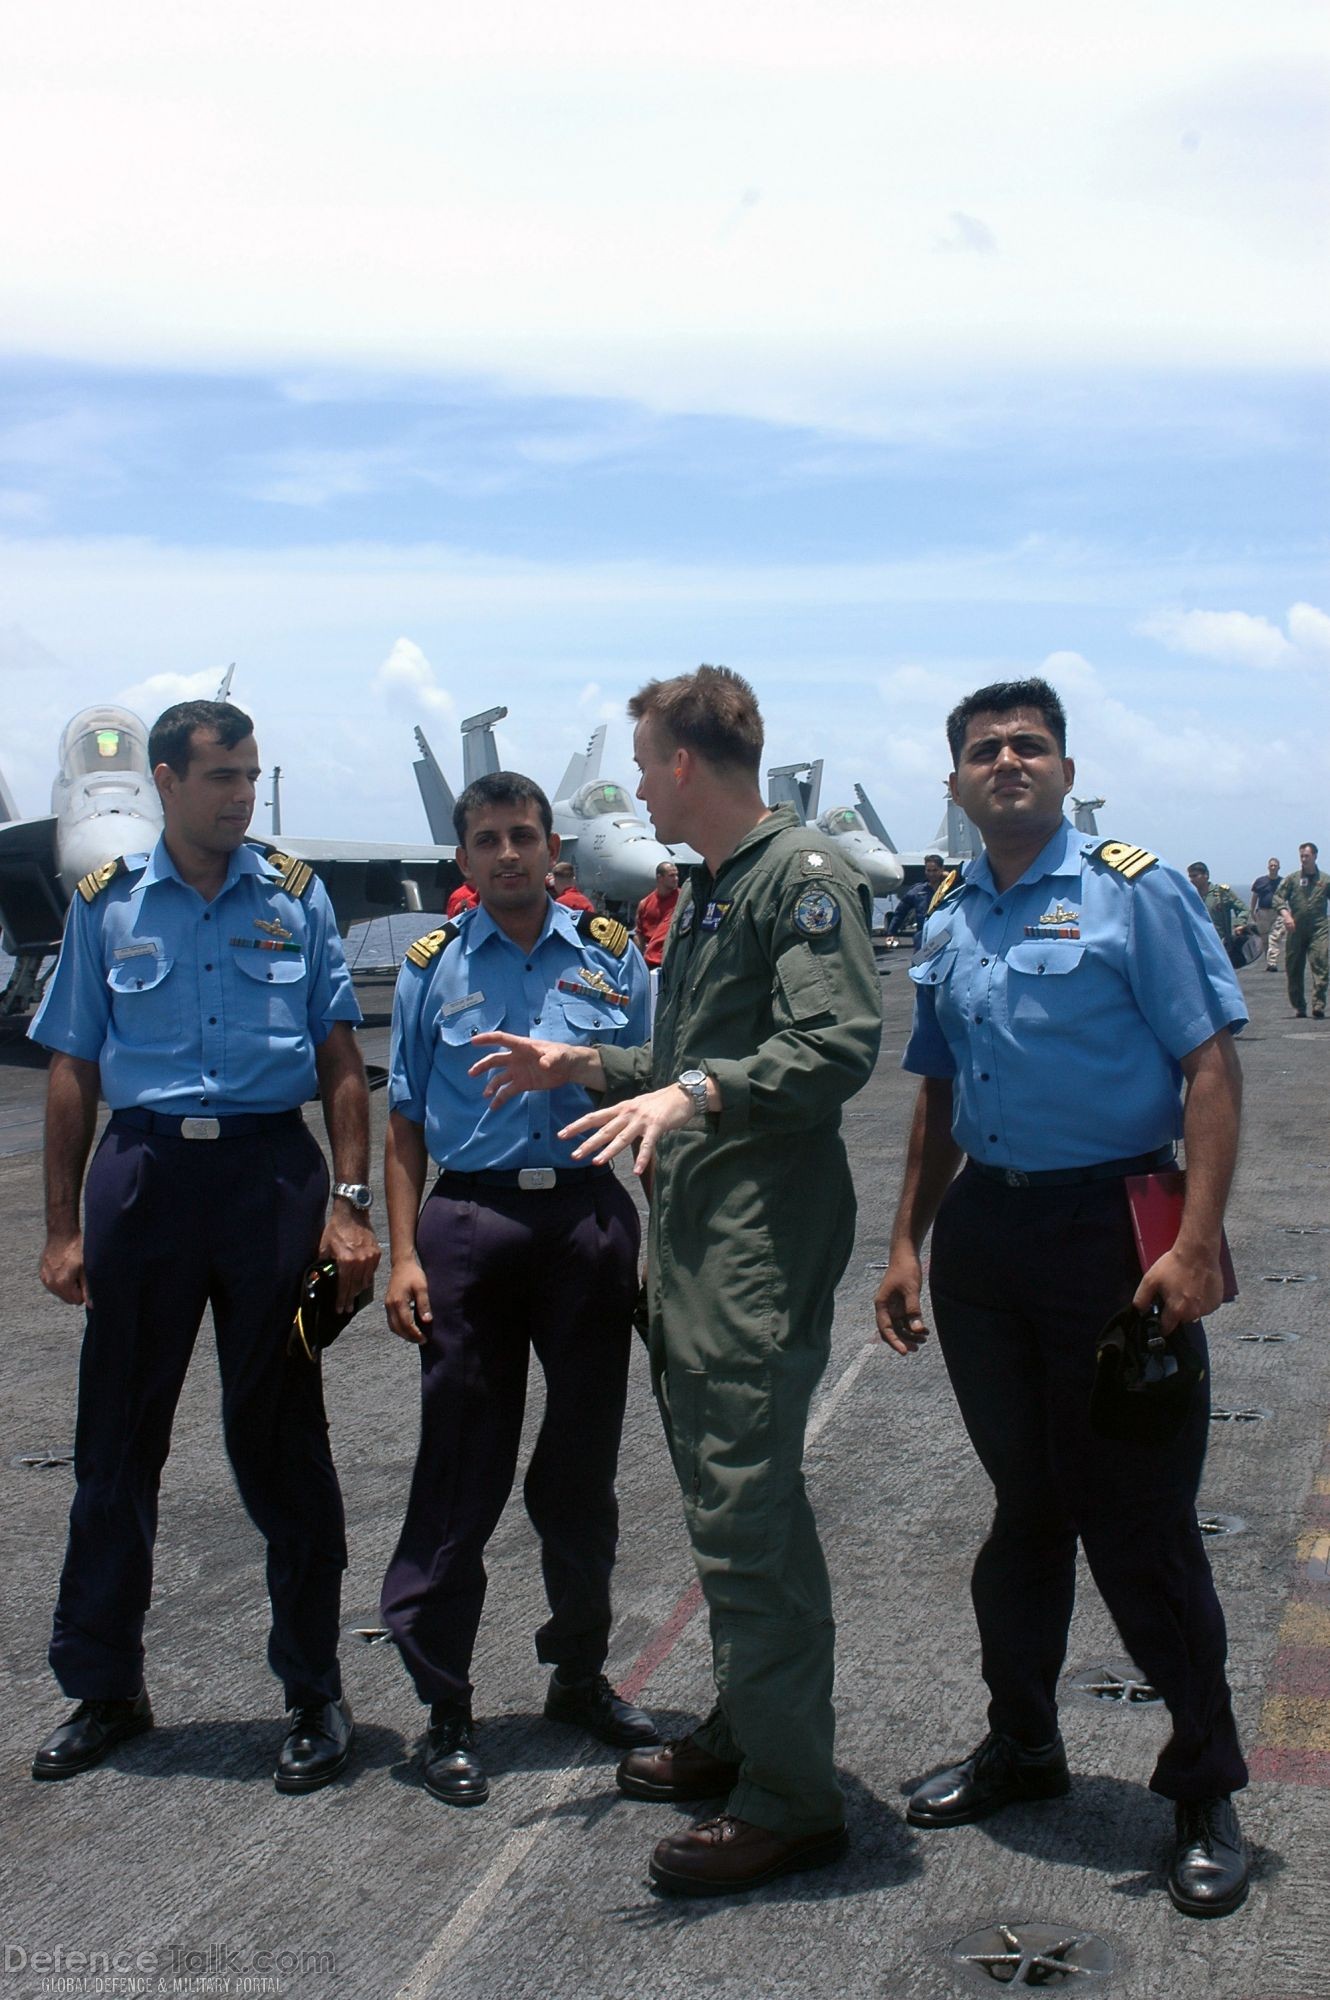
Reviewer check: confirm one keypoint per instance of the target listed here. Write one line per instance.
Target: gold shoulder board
(608, 933)
(296, 875)
(100, 878)
(1124, 859)
(944, 888)
(427, 948)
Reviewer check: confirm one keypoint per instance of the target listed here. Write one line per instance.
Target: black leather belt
(241, 1126)
(530, 1180)
(1104, 1170)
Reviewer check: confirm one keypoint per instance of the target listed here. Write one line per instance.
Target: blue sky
(423, 364)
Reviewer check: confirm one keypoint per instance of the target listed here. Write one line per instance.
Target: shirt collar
(246, 860)
(481, 927)
(1057, 857)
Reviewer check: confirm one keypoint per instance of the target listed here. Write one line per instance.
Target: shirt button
(997, 909)
(983, 961)
(992, 1138)
(978, 1017)
(983, 1076)
(535, 1135)
(531, 968)
(212, 1072)
(207, 916)
(208, 968)
(212, 1020)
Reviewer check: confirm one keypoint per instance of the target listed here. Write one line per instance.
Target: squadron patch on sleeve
(817, 913)
(427, 948)
(1123, 858)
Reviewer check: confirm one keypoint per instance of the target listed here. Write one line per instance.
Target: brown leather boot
(675, 1771)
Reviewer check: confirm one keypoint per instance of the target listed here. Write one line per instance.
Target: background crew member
(204, 988)
(769, 1019)
(1065, 987)
(654, 914)
(912, 908)
(1228, 913)
(516, 1248)
(1263, 892)
(1300, 907)
(564, 889)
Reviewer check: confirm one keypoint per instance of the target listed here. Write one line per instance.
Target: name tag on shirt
(460, 1006)
(934, 946)
(145, 950)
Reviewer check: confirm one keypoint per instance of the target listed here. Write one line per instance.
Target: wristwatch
(356, 1193)
(693, 1084)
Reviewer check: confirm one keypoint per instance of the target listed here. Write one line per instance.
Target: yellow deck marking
(1314, 1550)
(1295, 1722)
(1305, 1624)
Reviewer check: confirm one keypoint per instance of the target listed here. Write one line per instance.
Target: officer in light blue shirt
(1068, 992)
(516, 1250)
(202, 991)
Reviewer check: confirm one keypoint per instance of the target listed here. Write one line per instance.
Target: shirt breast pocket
(274, 991)
(585, 1020)
(146, 1000)
(934, 971)
(1036, 969)
(456, 1030)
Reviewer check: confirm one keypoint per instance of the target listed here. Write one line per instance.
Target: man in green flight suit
(1228, 913)
(768, 1020)
(1300, 905)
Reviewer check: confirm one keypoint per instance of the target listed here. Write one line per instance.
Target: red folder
(1155, 1201)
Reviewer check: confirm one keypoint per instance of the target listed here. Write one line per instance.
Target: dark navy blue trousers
(1022, 1282)
(510, 1272)
(171, 1225)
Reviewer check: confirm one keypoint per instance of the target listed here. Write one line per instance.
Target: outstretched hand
(639, 1121)
(517, 1064)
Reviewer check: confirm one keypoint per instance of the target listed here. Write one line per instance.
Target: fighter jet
(615, 853)
(104, 805)
(862, 842)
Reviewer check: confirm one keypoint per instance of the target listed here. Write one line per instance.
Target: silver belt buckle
(536, 1177)
(1015, 1179)
(200, 1128)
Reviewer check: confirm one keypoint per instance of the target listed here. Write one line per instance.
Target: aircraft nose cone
(882, 870)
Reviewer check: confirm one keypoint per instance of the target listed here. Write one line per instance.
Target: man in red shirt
(654, 913)
(563, 887)
(463, 898)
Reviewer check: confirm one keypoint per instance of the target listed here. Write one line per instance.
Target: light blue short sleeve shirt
(1061, 1007)
(566, 988)
(193, 1007)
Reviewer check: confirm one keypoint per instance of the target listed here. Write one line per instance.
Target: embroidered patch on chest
(715, 914)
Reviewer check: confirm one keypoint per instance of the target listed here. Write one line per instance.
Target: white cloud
(149, 697)
(568, 197)
(407, 680)
(1242, 639)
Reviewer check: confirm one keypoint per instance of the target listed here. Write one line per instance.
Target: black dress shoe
(452, 1771)
(316, 1748)
(1208, 1877)
(675, 1773)
(724, 1856)
(92, 1730)
(999, 1773)
(594, 1706)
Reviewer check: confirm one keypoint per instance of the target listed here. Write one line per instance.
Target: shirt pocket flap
(804, 985)
(589, 1019)
(139, 974)
(1045, 955)
(271, 968)
(934, 971)
(480, 1018)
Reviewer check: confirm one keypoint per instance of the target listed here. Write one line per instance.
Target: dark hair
(1312, 844)
(934, 857)
(500, 788)
(1000, 698)
(1198, 868)
(170, 740)
(713, 712)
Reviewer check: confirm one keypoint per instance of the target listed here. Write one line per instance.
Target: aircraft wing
(367, 879)
(32, 901)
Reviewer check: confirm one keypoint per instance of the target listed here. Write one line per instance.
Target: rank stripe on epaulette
(944, 888)
(607, 932)
(296, 875)
(1125, 859)
(98, 879)
(427, 948)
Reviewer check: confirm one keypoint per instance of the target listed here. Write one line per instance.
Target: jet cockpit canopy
(601, 798)
(103, 739)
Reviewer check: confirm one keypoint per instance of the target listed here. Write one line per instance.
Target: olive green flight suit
(769, 984)
(1227, 912)
(1308, 943)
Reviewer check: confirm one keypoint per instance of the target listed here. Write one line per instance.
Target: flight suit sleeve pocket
(803, 989)
(723, 1447)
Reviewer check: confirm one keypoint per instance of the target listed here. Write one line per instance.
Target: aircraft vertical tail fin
(872, 820)
(435, 794)
(480, 753)
(797, 785)
(1083, 814)
(8, 808)
(584, 766)
(957, 836)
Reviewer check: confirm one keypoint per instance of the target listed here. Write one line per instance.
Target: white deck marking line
(515, 1849)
